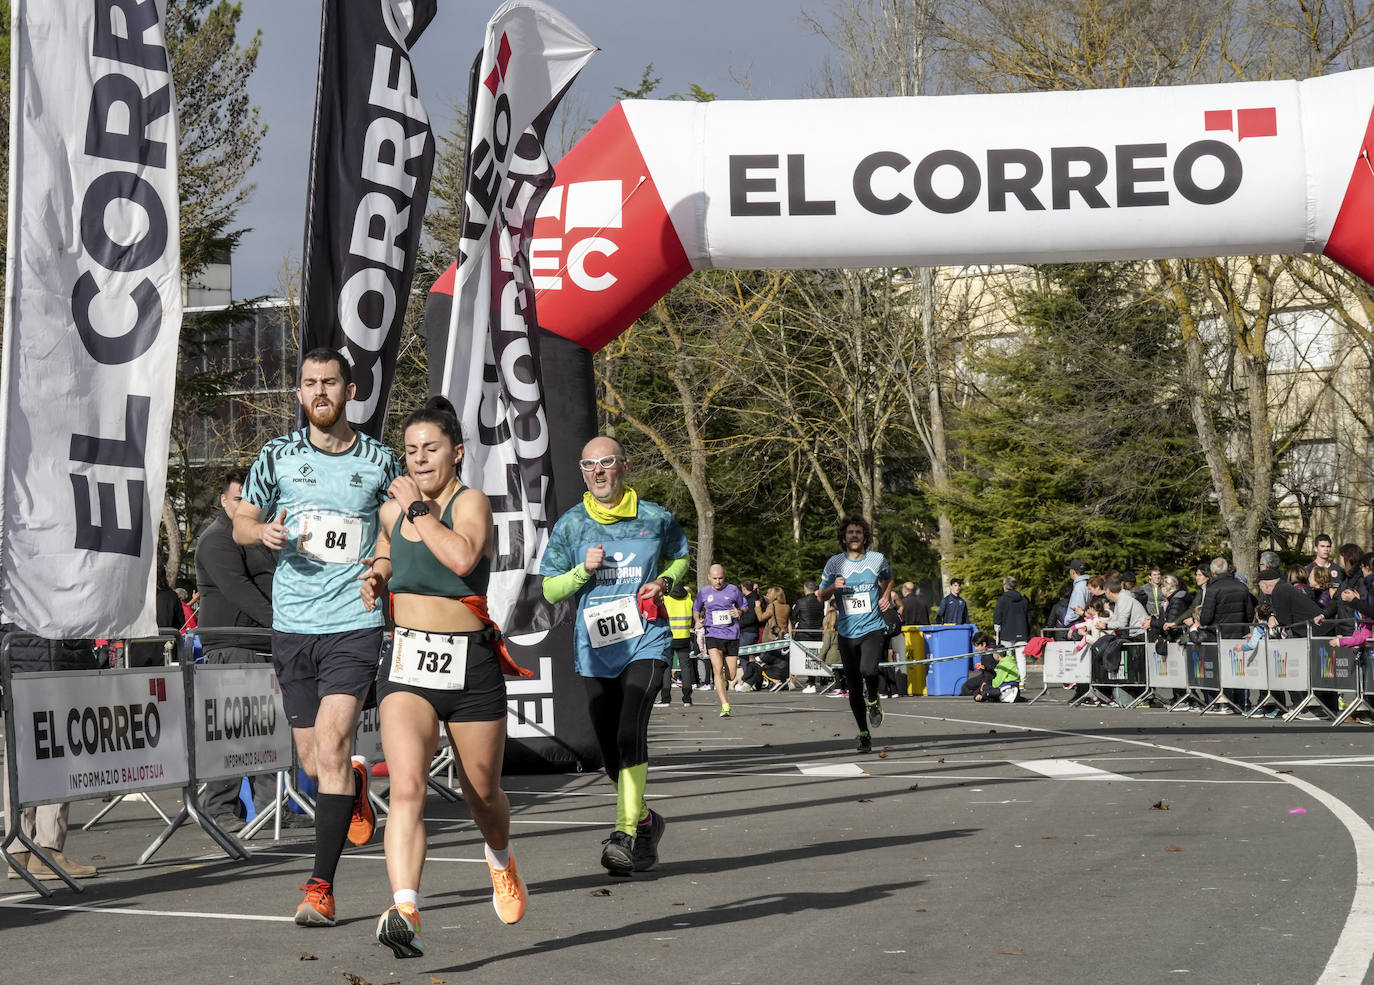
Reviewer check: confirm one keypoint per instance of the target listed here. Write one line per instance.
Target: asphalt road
(1015, 844)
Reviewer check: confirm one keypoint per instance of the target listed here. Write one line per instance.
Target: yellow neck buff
(623, 510)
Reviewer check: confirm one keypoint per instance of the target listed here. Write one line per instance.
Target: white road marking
(1067, 769)
(831, 769)
(1331, 761)
(130, 912)
(1350, 958)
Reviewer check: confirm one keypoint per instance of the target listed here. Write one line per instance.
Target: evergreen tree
(1079, 443)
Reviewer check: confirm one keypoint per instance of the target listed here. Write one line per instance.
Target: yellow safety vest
(679, 615)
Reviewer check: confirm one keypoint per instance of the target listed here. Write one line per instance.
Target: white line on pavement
(1067, 769)
(1350, 959)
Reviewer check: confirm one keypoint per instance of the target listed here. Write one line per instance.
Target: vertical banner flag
(370, 163)
(92, 314)
(530, 57)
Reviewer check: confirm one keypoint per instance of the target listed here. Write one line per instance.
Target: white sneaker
(809, 689)
(661, 704)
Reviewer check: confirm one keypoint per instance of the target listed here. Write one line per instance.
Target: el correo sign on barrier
(239, 727)
(83, 734)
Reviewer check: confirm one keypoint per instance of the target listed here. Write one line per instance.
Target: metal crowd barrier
(75, 735)
(1201, 672)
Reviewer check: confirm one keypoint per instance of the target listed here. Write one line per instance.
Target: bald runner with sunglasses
(618, 555)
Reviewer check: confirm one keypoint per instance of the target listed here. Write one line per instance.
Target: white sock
(499, 860)
(411, 896)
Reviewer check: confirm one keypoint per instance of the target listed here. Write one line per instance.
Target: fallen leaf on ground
(765, 724)
(1172, 848)
(882, 755)
(921, 910)
(940, 760)
(437, 981)
(914, 786)
(307, 956)
(1019, 954)
(1159, 805)
(599, 892)
(865, 800)
(353, 979)
(1048, 837)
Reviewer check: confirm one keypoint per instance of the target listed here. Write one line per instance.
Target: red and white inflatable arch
(658, 189)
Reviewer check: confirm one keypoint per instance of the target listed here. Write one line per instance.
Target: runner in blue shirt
(859, 580)
(618, 554)
(313, 496)
(717, 609)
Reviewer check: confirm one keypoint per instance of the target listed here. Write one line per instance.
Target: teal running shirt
(637, 549)
(331, 522)
(857, 603)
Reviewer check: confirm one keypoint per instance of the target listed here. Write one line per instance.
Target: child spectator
(1006, 681)
(984, 665)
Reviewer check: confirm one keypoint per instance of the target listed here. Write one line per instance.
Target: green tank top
(416, 571)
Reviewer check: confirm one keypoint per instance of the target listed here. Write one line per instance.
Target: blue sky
(713, 43)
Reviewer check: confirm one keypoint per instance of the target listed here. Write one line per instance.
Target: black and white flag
(370, 164)
(531, 55)
(92, 315)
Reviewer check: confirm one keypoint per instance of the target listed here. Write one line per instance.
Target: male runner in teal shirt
(313, 496)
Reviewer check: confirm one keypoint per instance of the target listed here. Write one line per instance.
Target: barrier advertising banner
(1201, 663)
(82, 734)
(1064, 664)
(239, 726)
(371, 158)
(1166, 669)
(1332, 667)
(1288, 669)
(1248, 669)
(92, 315)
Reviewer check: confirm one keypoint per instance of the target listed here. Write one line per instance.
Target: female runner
(445, 665)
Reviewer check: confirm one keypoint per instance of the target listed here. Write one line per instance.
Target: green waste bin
(915, 650)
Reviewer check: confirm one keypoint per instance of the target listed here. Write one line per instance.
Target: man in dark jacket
(807, 615)
(1293, 608)
(953, 609)
(1228, 608)
(1011, 615)
(915, 611)
(235, 585)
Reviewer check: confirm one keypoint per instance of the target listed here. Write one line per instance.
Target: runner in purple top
(717, 609)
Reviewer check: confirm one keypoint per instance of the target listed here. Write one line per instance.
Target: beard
(322, 417)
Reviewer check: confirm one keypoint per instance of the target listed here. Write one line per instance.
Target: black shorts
(311, 665)
(729, 648)
(483, 697)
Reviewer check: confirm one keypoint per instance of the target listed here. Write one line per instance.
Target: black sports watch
(417, 509)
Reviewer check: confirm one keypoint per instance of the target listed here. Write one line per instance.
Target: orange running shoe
(317, 909)
(364, 822)
(507, 892)
(399, 929)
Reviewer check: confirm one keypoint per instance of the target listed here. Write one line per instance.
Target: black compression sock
(333, 812)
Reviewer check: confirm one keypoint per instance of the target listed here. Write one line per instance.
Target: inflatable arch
(658, 189)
